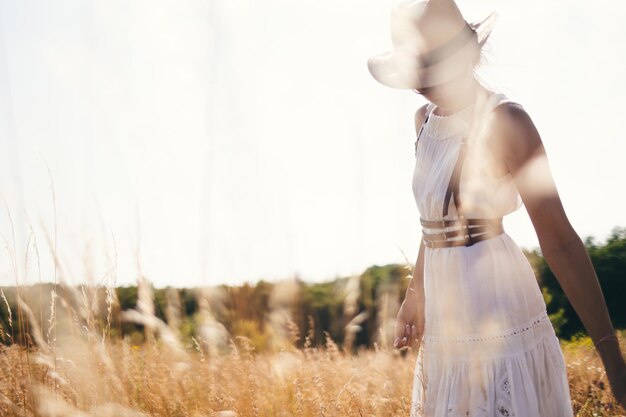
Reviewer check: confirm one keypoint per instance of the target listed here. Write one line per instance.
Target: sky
(227, 141)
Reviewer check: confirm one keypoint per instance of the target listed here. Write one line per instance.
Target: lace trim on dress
(479, 337)
(504, 404)
(486, 347)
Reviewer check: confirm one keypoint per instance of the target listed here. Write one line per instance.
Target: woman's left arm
(515, 138)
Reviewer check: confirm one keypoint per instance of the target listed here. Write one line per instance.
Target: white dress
(488, 347)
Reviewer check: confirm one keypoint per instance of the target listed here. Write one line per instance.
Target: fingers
(413, 334)
(405, 337)
(400, 335)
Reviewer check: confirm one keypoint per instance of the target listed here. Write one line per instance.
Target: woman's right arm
(410, 319)
(415, 291)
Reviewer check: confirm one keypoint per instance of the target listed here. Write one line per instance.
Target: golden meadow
(287, 348)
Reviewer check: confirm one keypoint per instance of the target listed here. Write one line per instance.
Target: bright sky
(231, 140)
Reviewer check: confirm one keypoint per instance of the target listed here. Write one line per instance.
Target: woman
(486, 345)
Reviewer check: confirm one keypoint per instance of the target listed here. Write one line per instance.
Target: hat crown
(420, 26)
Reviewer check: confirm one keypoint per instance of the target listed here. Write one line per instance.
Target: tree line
(355, 311)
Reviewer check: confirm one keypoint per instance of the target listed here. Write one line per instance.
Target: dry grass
(83, 374)
(67, 363)
(589, 387)
(156, 379)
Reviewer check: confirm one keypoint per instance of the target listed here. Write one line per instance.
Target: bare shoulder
(420, 116)
(511, 115)
(513, 135)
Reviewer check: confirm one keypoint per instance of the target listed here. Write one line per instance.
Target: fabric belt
(469, 231)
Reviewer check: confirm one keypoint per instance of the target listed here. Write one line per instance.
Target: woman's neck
(460, 101)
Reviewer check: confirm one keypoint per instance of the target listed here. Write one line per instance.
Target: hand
(405, 332)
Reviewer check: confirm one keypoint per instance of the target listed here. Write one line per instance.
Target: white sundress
(488, 347)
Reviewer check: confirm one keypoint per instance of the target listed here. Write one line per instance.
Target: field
(75, 366)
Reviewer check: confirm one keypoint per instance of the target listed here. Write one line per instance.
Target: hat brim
(397, 69)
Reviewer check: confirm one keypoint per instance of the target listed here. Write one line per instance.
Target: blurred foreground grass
(86, 377)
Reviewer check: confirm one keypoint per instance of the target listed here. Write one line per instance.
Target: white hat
(432, 42)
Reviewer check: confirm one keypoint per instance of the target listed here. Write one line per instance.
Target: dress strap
(429, 109)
